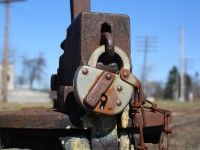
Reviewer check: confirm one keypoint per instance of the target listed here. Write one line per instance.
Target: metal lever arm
(128, 77)
(98, 89)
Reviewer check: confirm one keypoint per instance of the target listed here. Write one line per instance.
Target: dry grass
(18, 106)
(178, 106)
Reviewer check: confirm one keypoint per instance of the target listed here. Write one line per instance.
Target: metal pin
(108, 76)
(85, 71)
(125, 74)
(119, 88)
(119, 103)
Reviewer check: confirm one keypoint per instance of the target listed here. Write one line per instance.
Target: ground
(186, 121)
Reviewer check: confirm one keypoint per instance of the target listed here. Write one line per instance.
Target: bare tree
(34, 67)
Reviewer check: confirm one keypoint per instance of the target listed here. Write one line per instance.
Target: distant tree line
(171, 89)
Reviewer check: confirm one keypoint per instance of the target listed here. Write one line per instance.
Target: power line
(6, 48)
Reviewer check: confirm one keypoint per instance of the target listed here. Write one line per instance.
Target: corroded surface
(84, 36)
(38, 118)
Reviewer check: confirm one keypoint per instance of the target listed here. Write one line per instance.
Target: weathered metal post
(78, 7)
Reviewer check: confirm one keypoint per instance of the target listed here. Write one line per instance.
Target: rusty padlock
(101, 91)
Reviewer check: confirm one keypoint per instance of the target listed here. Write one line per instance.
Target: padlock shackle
(100, 50)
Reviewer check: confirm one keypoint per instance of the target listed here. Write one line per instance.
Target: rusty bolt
(125, 74)
(108, 76)
(119, 88)
(103, 98)
(109, 107)
(119, 103)
(85, 71)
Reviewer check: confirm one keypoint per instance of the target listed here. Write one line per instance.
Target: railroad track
(185, 118)
(186, 123)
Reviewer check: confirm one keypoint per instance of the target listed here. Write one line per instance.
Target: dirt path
(186, 130)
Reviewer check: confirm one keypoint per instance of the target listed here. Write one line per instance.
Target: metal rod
(78, 6)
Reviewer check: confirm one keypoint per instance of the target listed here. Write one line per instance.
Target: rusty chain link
(138, 104)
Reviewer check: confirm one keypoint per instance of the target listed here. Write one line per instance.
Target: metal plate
(83, 83)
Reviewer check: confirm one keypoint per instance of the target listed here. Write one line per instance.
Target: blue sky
(40, 26)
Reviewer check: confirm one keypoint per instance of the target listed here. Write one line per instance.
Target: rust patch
(38, 118)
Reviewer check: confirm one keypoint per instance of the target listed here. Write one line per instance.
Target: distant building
(10, 77)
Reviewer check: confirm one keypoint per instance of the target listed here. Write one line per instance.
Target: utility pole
(182, 62)
(6, 48)
(146, 43)
(147, 40)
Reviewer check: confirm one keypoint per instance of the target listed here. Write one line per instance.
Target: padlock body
(117, 95)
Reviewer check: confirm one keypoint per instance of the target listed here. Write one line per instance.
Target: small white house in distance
(10, 77)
